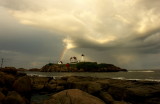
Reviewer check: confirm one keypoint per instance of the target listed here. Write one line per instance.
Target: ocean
(147, 75)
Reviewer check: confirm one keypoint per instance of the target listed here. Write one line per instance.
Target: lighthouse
(82, 58)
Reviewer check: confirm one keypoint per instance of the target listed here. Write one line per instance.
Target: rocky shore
(17, 88)
(81, 67)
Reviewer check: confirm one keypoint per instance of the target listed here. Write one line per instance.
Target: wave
(122, 78)
(155, 80)
(143, 71)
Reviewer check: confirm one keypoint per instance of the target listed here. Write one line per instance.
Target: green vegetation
(50, 64)
(82, 67)
(87, 66)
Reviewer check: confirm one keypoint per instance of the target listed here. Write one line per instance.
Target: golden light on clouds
(69, 43)
(115, 26)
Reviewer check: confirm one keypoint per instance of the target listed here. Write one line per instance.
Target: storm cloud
(124, 32)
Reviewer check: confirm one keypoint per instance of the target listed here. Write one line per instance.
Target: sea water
(149, 75)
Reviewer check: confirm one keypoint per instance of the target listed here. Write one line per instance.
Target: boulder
(120, 102)
(10, 70)
(38, 87)
(73, 79)
(73, 96)
(23, 86)
(51, 87)
(93, 87)
(40, 83)
(59, 88)
(117, 93)
(6, 80)
(106, 97)
(14, 98)
(40, 80)
(2, 97)
(87, 84)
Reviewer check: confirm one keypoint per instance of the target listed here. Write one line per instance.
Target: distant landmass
(81, 67)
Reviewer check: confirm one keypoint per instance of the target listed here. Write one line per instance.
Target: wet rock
(73, 96)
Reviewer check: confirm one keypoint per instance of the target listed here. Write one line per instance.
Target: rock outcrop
(111, 91)
(81, 67)
(73, 96)
(23, 86)
(15, 88)
(14, 98)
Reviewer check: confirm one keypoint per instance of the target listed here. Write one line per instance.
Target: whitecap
(144, 71)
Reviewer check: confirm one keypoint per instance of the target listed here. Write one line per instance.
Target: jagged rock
(73, 96)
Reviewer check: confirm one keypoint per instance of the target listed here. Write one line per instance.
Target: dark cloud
(24, 46)
(125, 33)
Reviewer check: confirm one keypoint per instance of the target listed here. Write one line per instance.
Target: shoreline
(112, 75)
(19, 87)
(130, 92)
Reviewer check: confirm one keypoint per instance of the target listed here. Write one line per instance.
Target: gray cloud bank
(124, 32)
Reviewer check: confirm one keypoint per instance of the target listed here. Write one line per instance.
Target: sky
(125, 33)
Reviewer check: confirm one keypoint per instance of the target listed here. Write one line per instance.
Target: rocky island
(18, 88)
(81, 67)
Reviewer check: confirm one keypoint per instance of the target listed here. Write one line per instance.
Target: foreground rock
(14, 98)
(15, 88)
(111, 91)
(73, 96)
(23, 86)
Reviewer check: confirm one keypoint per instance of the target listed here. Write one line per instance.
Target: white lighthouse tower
(82, 58)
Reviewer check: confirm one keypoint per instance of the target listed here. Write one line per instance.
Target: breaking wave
(145, 71)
